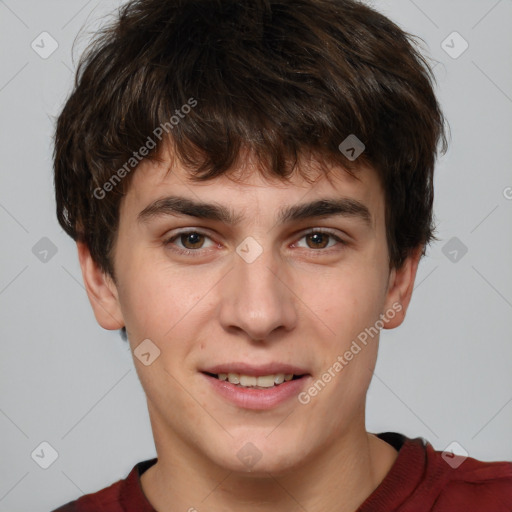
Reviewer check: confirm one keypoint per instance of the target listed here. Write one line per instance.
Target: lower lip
(259, 399)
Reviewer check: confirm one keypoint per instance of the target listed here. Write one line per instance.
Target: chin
(257, 455)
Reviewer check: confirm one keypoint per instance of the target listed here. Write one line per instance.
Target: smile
(258, 382)
(256, 392)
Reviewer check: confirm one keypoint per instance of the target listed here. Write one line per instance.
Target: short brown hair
(279, 77)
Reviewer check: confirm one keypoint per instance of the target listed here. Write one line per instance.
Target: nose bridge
(254, 299)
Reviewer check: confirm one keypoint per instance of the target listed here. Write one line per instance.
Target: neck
(336, 479)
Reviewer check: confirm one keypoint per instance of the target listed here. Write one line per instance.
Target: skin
(301, 302)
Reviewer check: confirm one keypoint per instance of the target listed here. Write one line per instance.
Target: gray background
(444, 375)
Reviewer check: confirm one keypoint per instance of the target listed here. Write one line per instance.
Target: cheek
(350, 299)
(158, 301)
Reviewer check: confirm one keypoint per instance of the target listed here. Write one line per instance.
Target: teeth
(263, 381)
(266, 381)
(234, 378)
(279, 378)
(246, 380)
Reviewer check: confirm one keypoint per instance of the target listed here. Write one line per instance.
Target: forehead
(247, 188)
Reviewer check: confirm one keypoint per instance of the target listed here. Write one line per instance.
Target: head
(234, 114)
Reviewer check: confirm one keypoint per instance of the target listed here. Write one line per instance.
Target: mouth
(256, 381)
(262, 388)
(256, 387)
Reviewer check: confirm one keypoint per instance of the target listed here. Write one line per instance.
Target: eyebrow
(177, 206)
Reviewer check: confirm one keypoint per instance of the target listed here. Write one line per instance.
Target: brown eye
(192, 240)
(189, 243)
(318, 240)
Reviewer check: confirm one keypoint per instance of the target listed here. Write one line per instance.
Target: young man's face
(253, 293)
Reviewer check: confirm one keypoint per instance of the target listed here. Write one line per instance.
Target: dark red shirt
(420, 480)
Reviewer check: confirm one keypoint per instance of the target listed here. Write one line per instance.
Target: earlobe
(400, 287)
(101, 291)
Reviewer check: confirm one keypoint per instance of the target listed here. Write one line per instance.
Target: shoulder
(468, 484)
(116, 496)
(105, 499)
(425, 479)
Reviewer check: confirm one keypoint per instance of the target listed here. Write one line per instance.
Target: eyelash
(197, 252)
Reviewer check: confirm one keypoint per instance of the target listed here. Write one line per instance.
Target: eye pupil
(318, 238)
(193, 239)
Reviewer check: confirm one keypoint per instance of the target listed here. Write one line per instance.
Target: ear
(400, 286)
(101, 291)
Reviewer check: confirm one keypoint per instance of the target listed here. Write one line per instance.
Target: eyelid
(169, 240)
(297, 236)
(326, 231)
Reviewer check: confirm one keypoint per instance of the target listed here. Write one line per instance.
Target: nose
(257, 298)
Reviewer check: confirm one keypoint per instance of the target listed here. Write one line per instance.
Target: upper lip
(255, 370)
